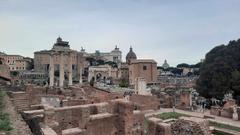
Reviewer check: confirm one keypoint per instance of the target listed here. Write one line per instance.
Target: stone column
(51, 71)
(61, 71)
(70, 70)
(80, 76)
(190, 100)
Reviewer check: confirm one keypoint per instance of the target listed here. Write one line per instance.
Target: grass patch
(5, 124)
(219, 133)
(145, 126)
(170, 115)
(224, 126)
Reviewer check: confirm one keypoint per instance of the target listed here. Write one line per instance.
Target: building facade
(144, 68)
(113, 56)
(102, 73)
(16, 62)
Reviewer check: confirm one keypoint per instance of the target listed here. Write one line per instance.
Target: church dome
(59, 39)
(165, 64)
(131, 55)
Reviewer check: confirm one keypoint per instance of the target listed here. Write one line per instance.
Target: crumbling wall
(101, 124)
(163, 129)
(144, 102)
(97, 95)
(215, 110)
(152, 125)
(74, 102)
(125, 118)
(225, 111)
(78, 116)
(21, 100)
(184, 100)
(138, 123)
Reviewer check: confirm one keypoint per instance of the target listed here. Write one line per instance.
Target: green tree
(219, 73)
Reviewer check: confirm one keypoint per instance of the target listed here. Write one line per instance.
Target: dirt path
(18, 124)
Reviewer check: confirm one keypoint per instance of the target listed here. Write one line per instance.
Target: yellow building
(16, 62)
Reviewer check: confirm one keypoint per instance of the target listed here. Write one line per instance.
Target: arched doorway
(98, 76)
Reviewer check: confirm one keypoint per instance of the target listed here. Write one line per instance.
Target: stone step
(73, 131)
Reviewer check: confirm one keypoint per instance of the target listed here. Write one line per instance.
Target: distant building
(113, 56)
(102, 73)
(165, 64)
(124, 72)
(30, 77)
(138, 68)
(145, 68)
(17, 62)
(60, 61)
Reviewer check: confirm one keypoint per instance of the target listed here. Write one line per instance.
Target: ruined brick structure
(83, 110)
(182, 126)
(227, 110)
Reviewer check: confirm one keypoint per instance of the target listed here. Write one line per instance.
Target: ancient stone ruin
(82, 111)
(182, 126)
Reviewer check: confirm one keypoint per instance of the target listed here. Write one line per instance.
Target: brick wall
(144, 102)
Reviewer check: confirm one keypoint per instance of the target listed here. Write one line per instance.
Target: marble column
(70, 70)
(61, 71)
(51, 71)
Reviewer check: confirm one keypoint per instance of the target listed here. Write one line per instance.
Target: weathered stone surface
(89, 109)
(152, 125)
(163, 129)
(190, 126)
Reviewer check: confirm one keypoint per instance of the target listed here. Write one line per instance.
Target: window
(144, 67)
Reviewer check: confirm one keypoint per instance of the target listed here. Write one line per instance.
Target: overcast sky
(181, 31)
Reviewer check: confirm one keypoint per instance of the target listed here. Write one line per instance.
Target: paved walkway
(207, 115)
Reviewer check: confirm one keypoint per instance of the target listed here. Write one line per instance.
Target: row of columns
(61, 71)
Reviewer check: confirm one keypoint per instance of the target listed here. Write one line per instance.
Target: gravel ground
(18, 124)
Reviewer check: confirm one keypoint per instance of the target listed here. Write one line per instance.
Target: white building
(102, 73)
(114, 56)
